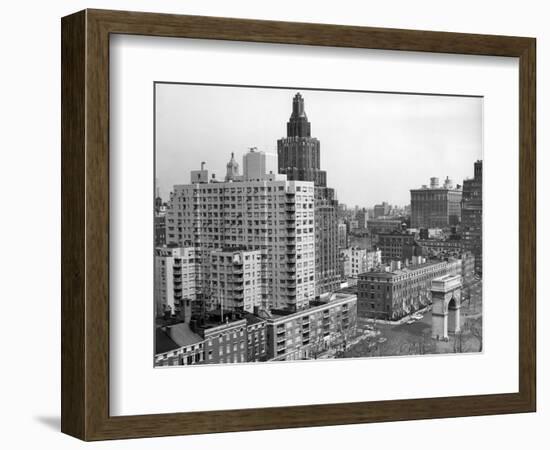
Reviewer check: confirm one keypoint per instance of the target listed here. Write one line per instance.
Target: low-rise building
(213, 338)
(382, 209)
(400, 290)
(178, 345)
(306, 334)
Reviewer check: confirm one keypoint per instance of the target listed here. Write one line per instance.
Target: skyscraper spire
(299, 153)
(232, 169)
(298, 125)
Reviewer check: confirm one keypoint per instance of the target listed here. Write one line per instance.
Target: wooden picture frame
(85, 224)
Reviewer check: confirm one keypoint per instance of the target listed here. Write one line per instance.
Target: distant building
(177, 277)
(472, 214)
(400, 290)
(254, 165)
(354, 261)
(160, 222)
(383, 209)
(358, 260)
(436, 207)
(362, 218)
(308, 333)
(374, 259)
(441, 247)
(342, 235)
(376, 226)
(160, 229)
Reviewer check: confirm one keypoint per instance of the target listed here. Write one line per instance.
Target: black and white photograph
(307, 224)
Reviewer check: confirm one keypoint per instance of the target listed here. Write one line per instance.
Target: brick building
(394, 245)
(472, 212)
(400, 290)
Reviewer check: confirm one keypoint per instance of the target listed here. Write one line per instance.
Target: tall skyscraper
(299, 158)
(472, 203)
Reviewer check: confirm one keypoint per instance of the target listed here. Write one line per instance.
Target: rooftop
(182, 335)
(404, 269)
(163, 342)
(315, 304)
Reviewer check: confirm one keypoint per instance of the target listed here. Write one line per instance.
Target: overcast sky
(374, 146)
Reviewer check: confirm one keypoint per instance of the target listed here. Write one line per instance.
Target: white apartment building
(359, 260)
(269, 214)
(235, 279)
(177, 277)
(374, 259)
(354, 261)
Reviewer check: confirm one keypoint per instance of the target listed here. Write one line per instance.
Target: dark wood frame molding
(85, 224)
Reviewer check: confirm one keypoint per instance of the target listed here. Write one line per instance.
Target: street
(415, 338)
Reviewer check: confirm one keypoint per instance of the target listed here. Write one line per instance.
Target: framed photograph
(273, 225)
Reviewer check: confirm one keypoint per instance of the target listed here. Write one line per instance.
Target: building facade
(299, 158)
(235, 280)
(355, 261)
(398, 291)
(177, 277)
(342, 235)
(436, 206)
(472, 213)
(362, 218)
(272, 215)
(306, 334)
(382, 209)
(377, 226)
(394, 246)
(212, 339)
(441, 247)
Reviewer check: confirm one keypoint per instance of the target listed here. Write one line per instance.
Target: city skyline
(444, 132)
(256, 261)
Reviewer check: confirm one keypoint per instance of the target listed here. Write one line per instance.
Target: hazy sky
(374, 146)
